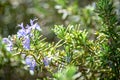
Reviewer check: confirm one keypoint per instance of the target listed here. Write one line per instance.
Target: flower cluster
(25, 32)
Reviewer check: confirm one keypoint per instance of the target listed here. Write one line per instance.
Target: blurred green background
(49, 13)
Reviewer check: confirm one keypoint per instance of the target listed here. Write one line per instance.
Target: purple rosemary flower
(26, 43)
(6, 41)
(30, 62)
(9, 44)
(35, 25)
(21, 33)
(28, 29)
(21, 26)
(32, 21)
(46, 61)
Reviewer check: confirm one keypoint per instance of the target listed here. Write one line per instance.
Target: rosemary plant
(105, 9)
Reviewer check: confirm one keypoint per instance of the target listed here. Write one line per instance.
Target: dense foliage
(77, 54)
